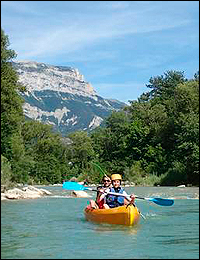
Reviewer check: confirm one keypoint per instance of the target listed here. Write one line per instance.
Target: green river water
(54, 227)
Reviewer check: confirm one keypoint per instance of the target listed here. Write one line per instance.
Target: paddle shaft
(77, 186)
(158, 201)
(99, 168)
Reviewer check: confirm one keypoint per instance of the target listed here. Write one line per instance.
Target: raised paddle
(99, 168)
(76, 186)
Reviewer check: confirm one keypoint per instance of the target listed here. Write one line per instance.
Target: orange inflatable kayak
(123, 215)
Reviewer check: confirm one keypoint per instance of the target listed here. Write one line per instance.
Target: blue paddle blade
(162, 202)
(67, 185)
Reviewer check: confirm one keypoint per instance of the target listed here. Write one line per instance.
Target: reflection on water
(150, 215)
(110, 228)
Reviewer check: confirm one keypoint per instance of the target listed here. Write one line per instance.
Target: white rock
(3, 196)
(33, 189)
(40, 76)
(80, 194)
(28, 192)
(21, 194)
(45, 192)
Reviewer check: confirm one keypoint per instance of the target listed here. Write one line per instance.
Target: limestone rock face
(40, 76)
(61, 97)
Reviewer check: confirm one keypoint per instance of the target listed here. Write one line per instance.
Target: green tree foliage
(81, 149)
(46, 152)
(6, 172)
(11, 102)
(156, 135)
(163, 86)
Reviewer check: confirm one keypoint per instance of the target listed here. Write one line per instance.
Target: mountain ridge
(60, 96)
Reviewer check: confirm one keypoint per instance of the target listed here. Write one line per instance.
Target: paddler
(98, 203)
(112, 201)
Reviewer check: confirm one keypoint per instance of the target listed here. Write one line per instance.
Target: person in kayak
(98, 203)
(112, 201)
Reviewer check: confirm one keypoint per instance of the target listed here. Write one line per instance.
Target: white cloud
(119, 4)
(50, 37)
(108, 41)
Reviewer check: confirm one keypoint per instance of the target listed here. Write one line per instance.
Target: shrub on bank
(6, 173)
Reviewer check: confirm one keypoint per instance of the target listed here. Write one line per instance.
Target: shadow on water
(186, 241)
(118, 228)
(110, 228)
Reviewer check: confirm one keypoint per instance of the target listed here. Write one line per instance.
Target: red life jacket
(100, 203)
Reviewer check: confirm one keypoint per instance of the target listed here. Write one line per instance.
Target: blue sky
(117, 45)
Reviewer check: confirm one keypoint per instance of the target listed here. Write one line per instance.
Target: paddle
(76, 186)
(159, 201)
(99, 168)
(72, 185)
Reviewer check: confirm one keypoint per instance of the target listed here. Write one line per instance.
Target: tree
(81, 149)
(157, 135)
(11, 102)
(163, 86)
(45, 152)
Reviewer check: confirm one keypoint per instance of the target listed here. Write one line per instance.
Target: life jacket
(98, 201)
(115, 201)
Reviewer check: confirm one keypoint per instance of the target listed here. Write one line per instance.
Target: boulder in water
(28, 192)
(80, 194)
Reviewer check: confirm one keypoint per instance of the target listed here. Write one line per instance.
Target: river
(54, 227)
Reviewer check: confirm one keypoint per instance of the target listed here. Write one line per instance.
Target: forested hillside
(153, 141)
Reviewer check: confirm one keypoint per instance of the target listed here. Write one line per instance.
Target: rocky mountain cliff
(60, 96)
